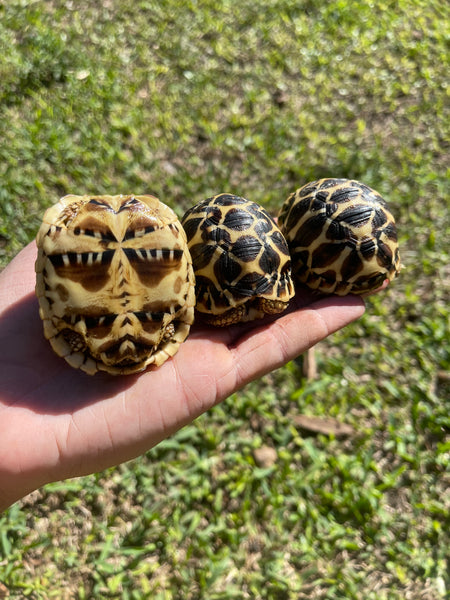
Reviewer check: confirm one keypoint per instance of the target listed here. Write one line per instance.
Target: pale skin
(57, 422)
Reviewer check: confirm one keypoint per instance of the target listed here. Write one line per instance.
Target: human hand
(57, 422)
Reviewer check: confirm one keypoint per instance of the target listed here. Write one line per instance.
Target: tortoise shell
(341, 236)
(241, 260)
(114, 281)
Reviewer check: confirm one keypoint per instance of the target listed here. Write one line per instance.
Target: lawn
(185, 100)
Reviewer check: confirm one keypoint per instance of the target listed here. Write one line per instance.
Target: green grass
(189, 100)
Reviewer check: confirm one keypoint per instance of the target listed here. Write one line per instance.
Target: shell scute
(237, 220)
(246, 248)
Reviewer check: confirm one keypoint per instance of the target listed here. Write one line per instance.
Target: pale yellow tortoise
(114, 281)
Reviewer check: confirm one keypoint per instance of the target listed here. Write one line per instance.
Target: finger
(214, 363)
(229, 334)
(289, 336)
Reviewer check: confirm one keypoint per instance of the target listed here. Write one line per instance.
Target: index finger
(290, 335)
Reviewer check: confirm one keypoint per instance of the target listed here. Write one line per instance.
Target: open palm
(57, 422)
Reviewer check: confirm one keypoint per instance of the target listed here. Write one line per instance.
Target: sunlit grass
(184, 101)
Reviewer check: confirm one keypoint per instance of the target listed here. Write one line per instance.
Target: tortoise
(114, 281)
(341, 236)
(240, 258)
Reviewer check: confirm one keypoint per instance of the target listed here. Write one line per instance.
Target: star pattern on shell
(341, 236)
(240, 258)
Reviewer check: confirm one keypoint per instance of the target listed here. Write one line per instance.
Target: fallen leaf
(325, 425)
